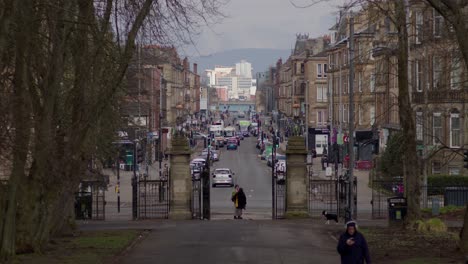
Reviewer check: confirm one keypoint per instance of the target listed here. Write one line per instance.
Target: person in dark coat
(352, 246)
(240, 201)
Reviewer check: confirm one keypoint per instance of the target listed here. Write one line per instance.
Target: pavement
(230, 241)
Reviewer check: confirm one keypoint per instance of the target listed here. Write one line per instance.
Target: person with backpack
(240, 201)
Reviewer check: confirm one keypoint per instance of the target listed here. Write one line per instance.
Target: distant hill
(261, 59)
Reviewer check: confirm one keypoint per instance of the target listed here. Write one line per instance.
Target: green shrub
(436, 225)
(433, 225)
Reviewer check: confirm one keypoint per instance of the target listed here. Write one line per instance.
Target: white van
(321, 142)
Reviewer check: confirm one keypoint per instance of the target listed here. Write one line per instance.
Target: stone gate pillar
(296, 178)
(180, 180)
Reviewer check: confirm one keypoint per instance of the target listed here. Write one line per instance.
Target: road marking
(251, 190)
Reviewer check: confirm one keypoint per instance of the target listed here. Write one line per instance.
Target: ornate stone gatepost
(180, 180)
(296, 178)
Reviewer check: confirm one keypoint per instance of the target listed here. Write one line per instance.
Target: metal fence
(432, 196)
(196, 198)
(279, 199)
(90, 201)
(153, 199)
(322, 197)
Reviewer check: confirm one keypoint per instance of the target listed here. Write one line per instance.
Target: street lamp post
(296, 108)
(179, 112)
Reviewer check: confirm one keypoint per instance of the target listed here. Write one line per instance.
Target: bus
(230, 131)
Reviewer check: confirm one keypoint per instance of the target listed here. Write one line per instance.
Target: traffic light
(276, 142)
(465, 159)
(139, 155)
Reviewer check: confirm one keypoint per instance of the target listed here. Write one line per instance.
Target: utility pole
(118, 180)
(273, 196)
(134, 182)
(351, 116)
(160, 121)
(307, 117)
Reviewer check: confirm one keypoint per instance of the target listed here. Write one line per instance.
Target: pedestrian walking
(352, 246)
(240, 201)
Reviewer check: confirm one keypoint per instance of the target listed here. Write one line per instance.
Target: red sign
(345, 138)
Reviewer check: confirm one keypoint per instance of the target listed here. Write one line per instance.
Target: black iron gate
(279, 195)
(153, 199)
(90, 201)
(322, 196)
(196, 198)
(331, 196)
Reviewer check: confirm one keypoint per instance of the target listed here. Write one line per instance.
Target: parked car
(280, 169)
(196, 170)
(246, 133)
(196, 167)
(278, 158)
(223, 176)
(232, 144)
(213, 154)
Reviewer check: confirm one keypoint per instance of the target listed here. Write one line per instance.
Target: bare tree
(62, 66)
(455, 12)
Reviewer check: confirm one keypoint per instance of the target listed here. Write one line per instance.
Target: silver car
(223, 176)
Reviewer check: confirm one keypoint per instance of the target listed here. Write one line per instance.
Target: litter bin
(397, 207)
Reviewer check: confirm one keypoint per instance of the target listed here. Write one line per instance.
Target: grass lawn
(394, 245)
(86, 247)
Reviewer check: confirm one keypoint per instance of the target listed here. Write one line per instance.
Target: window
(319, 71)
(360, 82)
(419, 76)
(345, 57)
(321, 93)
(345, 84)
(437, 24)
(455, 73)
(454, 171)
(360, 115)
(454, 130)
(302, 67)
(419, 126)
(345, 113)
(319, 117)
(336, 88)
(325, 70)
(372, 115)
(436, 72)
(372, 82)
(437, 128)
(436, 167)
(419, 27)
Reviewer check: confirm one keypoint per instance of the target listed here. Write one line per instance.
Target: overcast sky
(264, 24)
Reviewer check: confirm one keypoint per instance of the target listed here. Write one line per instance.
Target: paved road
(252, 174)
(235, 241)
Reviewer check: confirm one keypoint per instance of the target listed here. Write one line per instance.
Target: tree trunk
(410, 160)
(464, 234)
(22, 132)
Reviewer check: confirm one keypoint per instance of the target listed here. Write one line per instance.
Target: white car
(280, 169)
(223, 176)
